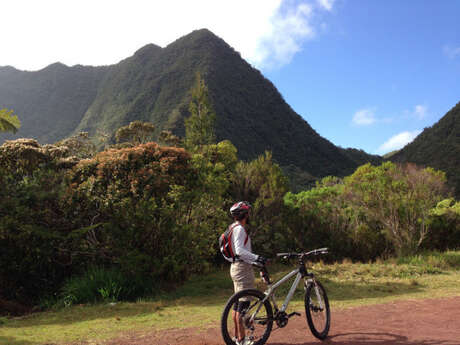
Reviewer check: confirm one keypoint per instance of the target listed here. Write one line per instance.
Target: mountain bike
(261, 309)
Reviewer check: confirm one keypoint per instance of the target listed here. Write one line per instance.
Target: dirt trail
(416, 322)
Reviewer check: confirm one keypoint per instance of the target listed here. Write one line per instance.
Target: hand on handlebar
(261, 261)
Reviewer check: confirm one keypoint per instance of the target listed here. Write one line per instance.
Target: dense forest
(80, 225)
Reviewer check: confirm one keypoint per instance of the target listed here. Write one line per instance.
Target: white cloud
(265, 32)
(285, 37)
(364, 117)
(451, 52)
(420, 111)
(398, 141)
(326, 4)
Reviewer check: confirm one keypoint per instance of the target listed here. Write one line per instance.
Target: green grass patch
(200, 301)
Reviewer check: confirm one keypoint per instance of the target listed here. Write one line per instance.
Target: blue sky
(368, 74)
(376, 70)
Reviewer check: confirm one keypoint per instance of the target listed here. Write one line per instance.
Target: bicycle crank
(293, 314)
(282, 318)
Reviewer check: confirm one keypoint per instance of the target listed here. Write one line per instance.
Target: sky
(364, 74)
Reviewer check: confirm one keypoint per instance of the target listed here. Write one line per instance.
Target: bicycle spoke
(255, 318)
(317, 310)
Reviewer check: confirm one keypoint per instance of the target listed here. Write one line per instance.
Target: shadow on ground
(369, 339)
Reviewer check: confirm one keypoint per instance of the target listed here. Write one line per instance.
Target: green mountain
(51, 102)
(438, 147)
(154, 85)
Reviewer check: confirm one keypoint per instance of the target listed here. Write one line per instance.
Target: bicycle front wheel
(255, 316)
(317, 310)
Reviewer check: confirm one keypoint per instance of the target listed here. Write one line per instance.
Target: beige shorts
(242, 275)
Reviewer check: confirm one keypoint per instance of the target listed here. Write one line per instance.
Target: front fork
(311, 281)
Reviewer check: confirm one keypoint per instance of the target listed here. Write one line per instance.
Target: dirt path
(417, 322)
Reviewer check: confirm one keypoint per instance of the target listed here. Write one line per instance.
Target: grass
(200, 301)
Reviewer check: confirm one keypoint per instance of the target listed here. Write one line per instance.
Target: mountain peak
(147, 49)
(8, 70)
(57, 66)
(199, 37)
(201, 33)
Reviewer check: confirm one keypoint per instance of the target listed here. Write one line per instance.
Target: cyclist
(241, 269)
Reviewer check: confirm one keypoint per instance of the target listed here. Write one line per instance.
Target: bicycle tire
(255, 296)
(314, 312)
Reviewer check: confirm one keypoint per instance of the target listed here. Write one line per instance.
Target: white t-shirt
(241, 243)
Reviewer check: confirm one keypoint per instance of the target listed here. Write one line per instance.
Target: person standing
(241, 270)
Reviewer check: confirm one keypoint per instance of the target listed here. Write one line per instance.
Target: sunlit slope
(438, 147)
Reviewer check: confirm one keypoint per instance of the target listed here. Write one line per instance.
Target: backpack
(225, 244)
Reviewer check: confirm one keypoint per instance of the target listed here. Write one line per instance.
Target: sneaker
(246, 341)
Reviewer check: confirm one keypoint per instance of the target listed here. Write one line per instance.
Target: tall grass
(103, 285)
(440, 260)
(111, 285)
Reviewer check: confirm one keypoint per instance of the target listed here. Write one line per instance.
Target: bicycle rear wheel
(317, 310)
(257, 330)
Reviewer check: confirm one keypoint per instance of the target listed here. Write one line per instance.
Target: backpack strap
(247, 236)
(230, 233)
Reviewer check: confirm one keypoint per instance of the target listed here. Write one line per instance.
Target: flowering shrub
(119, 208)
(142, 207)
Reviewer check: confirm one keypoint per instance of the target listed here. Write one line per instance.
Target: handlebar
(311, 252)
(301, 256)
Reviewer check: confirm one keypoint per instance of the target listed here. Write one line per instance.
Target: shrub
(445, 226)
(399, 198)
(100, 284)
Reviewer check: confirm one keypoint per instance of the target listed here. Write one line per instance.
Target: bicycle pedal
(293, 314)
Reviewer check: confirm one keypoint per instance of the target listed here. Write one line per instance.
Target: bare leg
(241, 326)
(235, 321)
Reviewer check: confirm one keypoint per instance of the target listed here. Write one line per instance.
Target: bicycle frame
(300, 273)
(272, 287)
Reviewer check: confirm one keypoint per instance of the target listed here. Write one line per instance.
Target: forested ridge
(51, 101)
(437, 146)
(154, 85)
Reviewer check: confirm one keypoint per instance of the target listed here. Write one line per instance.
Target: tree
(325, 216)
(137, 132)
(79, 145)
(399, 198)
(199, 126)
(445, 226)
(262, 183)
(169, 139)
(8, 121)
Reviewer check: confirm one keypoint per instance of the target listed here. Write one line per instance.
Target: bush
(323, 217)
(445, 226)
(36, 242)
(103, 285)
(374, 212)
(156, 214)
(399, 198)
